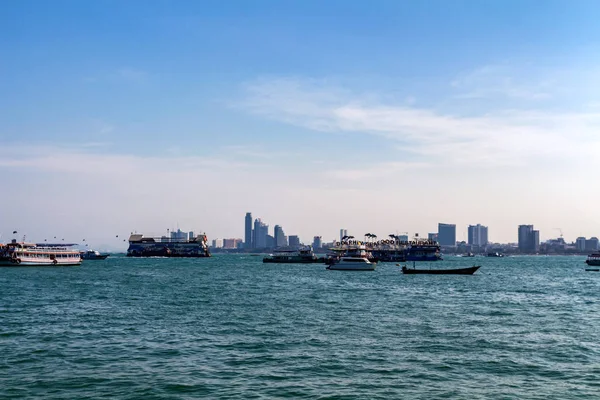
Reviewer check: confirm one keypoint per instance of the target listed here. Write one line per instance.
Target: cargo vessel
(192, 246)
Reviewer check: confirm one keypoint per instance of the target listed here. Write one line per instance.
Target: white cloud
(492, 81)
(375, 171)
(496, 138)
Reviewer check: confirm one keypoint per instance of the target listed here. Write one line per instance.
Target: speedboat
(354, 259)
(93, 255)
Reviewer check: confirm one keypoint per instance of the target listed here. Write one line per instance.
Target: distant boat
(469, 254)
(593, 259)
(455, 271)
(303, 255)
(351, 259)
(494, 254)
(183, 246)
(93, 255)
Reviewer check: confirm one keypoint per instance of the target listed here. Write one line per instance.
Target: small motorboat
(93, 255)
(593, 259)
(454, 271)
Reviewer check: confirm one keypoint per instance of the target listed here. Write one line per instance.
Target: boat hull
(341, 266)
(593, 262)
(39, 264)
(456, 271)
(314, 261)
(100, 257)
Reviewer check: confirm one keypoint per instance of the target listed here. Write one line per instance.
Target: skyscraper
(294, 241)
(248, 231)
(343, 232)
(259, 235)
(478, 235)
(580, 243)
(447, 234)
(529, 239)
(279, 236)
(317, 242)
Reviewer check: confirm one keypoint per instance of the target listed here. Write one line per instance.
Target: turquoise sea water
(233, 327)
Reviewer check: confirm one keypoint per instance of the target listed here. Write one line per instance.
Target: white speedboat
(354, 259)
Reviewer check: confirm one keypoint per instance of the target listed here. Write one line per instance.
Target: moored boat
(423, 251)
(593, 259)
(351, 259)
(174, 246)
(303, 255)
(30, 254)
(454, 271)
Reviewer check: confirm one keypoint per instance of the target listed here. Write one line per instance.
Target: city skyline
(315, 115)
(461, 234)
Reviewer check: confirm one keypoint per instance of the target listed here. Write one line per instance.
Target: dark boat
(593, 259)
(424, 251)
(175, 246)
(456, 271)
(92, 255)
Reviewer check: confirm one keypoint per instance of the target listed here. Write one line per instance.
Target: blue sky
(313, 107)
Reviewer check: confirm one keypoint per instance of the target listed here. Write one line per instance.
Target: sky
(374, 116)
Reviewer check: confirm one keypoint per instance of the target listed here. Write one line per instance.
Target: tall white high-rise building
(478, 235)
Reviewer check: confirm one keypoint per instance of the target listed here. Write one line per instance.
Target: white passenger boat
(30, 254)
(353, 259)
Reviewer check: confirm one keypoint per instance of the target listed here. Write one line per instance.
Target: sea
(231, 327)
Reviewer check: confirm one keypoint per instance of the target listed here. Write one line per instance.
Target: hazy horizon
(383, 117)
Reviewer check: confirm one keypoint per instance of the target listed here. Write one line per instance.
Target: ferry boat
(92, 255)
(194, 247)
(593, 259)
(423, 251)
(416, 250)
(351, 259)
(30, 254)
(299, 256)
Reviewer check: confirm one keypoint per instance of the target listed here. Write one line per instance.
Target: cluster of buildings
(177, 236)
(257, 237)
(583, 244)
(477, 238)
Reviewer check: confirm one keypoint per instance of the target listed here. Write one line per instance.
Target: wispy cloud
(132, 74)
(370, 173)
(494, 81)
(506, 137)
